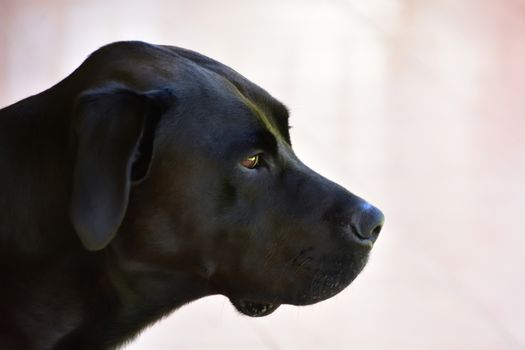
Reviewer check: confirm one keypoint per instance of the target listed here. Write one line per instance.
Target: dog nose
(367, 222)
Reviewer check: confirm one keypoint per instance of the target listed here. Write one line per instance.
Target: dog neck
(87, 295)
(34, 182)
(131, 295)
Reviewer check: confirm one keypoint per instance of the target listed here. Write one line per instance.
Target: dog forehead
(268, 110)
(214, 111)
(214, 121)
(261, 113)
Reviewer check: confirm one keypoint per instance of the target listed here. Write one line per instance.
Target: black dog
(148, 178)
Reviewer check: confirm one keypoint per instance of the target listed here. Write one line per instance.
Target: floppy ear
(114, 133)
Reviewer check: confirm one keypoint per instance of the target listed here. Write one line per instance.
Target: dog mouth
(317, 282)
(254, 309)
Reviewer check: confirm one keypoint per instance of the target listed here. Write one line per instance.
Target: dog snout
(367, 221)
(355, 219)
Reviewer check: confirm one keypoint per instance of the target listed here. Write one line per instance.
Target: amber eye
(251, 162)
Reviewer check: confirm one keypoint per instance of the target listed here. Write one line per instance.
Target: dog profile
(148, 178)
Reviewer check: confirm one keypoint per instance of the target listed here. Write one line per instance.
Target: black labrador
(153, 176)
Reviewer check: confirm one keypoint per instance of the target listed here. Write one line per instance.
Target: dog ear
(114, 132)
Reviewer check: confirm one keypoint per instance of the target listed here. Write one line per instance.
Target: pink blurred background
(416, 105)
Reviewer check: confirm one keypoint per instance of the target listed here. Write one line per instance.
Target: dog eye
(251, 162)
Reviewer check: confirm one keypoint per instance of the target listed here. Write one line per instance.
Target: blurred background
(416, 105)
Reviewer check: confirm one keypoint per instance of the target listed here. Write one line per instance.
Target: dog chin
(254, 309)
(325, 284)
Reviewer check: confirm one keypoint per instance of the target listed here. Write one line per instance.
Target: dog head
(192, 173)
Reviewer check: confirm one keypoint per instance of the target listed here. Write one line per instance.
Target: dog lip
(254, 309)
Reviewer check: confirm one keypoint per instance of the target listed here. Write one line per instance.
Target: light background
(416, 105)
